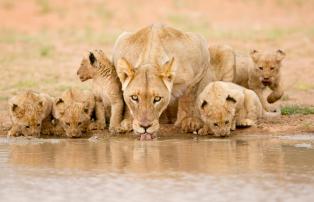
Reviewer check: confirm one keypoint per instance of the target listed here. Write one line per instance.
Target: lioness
(256, 72)
(73, 110)
(29, 112)
(157, 65)
(106, 87)
(225, 105)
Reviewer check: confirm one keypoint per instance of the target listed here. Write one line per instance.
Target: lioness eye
(226, 122)
(261, 68)
(216, 124)
(157, 99)
(134, 98)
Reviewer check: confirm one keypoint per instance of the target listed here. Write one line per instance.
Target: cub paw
(96, 126)
(246, 123)
(191, 124)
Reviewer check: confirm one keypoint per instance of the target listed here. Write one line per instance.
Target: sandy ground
(43, 41)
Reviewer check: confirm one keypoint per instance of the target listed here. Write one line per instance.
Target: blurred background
(43, 41)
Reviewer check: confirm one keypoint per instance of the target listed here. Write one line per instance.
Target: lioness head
(217, 114)
(91, 64)
(74, 117)
(267, 65)
(28, 111)
(147, 93)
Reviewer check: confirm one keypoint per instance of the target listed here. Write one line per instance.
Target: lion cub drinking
(225, 105)
(256, 72)
(30, 112)
(73, 111)
(106, 87)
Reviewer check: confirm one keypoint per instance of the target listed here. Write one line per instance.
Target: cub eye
(134, 98)
(38, 124)
(261, 68)
(157, 99)
(79, 123)
(272, 68)
(26, 126)
(67, 123)
(216, 124)
(226, 122)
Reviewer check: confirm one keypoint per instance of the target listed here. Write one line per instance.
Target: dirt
(42, 42)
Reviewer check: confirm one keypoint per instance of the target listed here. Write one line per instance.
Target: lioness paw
(191, 124)
(126, 125)
(246, 123)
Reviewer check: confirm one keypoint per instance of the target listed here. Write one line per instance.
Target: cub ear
(17, 111)
(59, 101)
(41, 103)
(204, 103)
(231, 99)
(254, 55)
(86, 108)
(125, 72)
(14, 107)
(280, 55)
(92, 58)
(167, 73)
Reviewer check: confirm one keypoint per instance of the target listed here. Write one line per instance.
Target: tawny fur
(225, 105)
(30, 114)
(107, 89)
(73, 111)
(157, 65)
(256, 72)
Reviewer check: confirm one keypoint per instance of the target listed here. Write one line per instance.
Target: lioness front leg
(188, 117)
(276, 94)
(116, 116)
(126, 123)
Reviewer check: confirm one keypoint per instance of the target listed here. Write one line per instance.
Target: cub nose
(266, 78)
(145, 126)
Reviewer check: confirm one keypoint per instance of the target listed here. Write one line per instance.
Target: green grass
(294, 109)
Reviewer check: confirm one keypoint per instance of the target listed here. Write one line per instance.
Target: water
(242, 168)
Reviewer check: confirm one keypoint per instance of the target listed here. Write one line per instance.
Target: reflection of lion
(73, 111)
(158, 64)
(30, 112)
(257, 72)
(106, 88)
(225, 105)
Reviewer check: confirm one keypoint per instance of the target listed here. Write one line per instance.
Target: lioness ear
(254, 55)
(125, 72)
(280, 55)
(231, 99)
(92, 58)
(167, 73)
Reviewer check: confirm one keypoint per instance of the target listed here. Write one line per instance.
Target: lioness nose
(145, 126)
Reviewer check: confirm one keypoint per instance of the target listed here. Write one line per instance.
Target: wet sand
(181, 168)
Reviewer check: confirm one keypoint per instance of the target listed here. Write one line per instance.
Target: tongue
(146, 136)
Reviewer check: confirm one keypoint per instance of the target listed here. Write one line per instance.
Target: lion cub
(256, 72)
(106, 87)
(30, 112)
(74, 110)
(225, 105)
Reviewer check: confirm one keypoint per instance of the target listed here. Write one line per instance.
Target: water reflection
(212, 156)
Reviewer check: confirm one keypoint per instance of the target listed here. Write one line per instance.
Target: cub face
(218, 116)
(27, 112)
(74, 117)
(267, 66)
